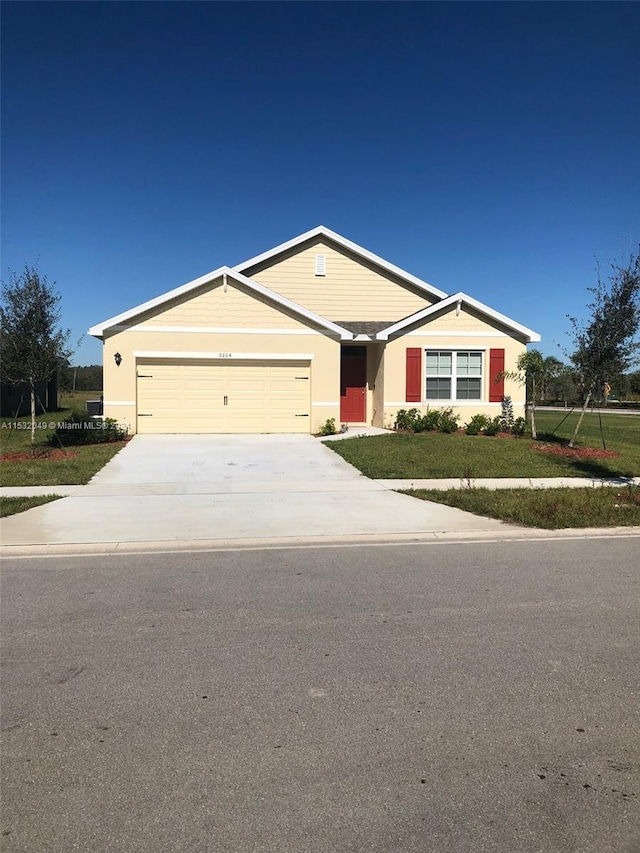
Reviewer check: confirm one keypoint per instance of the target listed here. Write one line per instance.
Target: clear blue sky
(490, 148)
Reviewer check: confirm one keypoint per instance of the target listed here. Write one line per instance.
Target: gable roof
(530, 335)
(365, 254)
(99, 329)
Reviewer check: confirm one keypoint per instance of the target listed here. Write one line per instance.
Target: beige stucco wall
(463, 331)
(350, 290)
(200, 330)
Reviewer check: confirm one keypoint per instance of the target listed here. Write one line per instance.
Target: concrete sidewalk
(512, 483)
(240, 488)
(195, 487)
(394, 485)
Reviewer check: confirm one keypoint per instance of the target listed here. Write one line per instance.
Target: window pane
(438, 389)
(468, 389)
(439, 363)
(432, 362)
(475, 364)
(469, 364)
(445, 364)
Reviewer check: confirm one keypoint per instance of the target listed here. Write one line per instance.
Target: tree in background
(565, 384)
(31, 342)
(634, 384)
(83, 378)
(605, 345)
(551, 369)
(529, 372)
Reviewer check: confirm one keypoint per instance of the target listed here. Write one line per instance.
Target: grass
(435, 455)
(75, 467)
(11, 506)
(604, 506)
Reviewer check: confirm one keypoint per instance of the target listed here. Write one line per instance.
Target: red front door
(353, 383)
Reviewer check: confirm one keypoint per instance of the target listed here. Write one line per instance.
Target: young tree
(31, 342)
(530, 372)
(605, 345)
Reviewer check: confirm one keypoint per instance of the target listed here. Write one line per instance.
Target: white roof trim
(98, 330)
(322, 231)
(530, 335)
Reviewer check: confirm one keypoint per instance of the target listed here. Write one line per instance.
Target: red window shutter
(496, 367)
(414, 375)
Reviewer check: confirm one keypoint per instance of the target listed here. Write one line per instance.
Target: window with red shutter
(414, 375)
(496, 367)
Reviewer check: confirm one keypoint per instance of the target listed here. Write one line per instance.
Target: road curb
(512, 534)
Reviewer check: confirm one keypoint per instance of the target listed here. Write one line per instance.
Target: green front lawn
(604, 506)
(11, 506)
(436, 455)
(44, 465)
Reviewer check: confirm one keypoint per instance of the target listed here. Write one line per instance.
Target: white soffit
(322, 231)
(529, 334)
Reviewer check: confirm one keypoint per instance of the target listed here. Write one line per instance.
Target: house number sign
(225, 355)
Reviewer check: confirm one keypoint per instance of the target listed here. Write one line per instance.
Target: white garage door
(216, 397)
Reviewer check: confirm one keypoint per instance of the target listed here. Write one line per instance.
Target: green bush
(519, 426)
(433, 420)
(493, 426)
(408, 420)
(448, 422)
(328, 427)
(476, 424)
(80, 429)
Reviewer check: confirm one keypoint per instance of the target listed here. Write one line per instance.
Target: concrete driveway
(230, 487)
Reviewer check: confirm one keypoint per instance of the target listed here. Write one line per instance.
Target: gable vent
(321, 264)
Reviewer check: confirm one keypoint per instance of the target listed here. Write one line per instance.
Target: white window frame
(453, 398)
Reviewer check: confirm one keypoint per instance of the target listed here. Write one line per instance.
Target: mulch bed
(47, 455)
(575, 452)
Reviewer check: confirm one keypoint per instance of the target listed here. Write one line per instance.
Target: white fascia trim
(530, 335)
(322, 231)
(98, 331)
(118, 402)
(215, 330)
(226, 356)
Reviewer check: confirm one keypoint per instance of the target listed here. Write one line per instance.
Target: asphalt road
(439, 697)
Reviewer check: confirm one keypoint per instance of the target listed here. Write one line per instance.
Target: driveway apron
(226, 487)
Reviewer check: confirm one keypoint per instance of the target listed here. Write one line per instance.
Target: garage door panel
(214, 397)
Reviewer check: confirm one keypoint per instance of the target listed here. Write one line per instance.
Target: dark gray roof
(365, 328)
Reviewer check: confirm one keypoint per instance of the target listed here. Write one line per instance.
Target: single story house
(315, 328)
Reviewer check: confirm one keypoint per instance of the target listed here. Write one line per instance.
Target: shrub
(506, 416)
(328, 427)
(406, 419)
(448, 422)
(519, 426)
(79, 429)
(493, 426)
(433, 419)
(476, 424)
